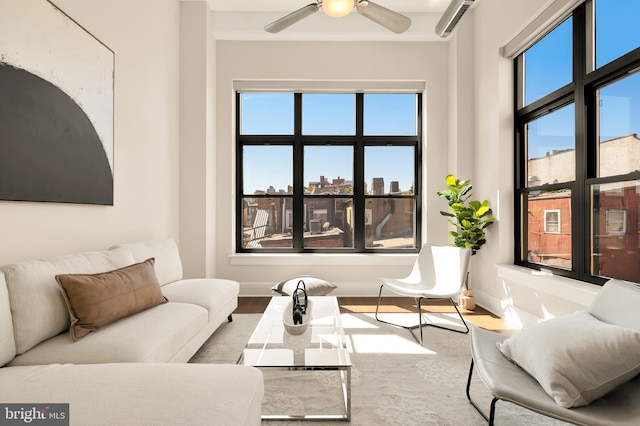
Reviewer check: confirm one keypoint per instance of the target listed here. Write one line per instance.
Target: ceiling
(403, 6)
(245, 20)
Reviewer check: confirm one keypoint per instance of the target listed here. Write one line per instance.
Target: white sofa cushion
(7, 343)
(210, 293)
(37, 305)
(154, 335)
(142, 394)
(168, 264)
(576, 358)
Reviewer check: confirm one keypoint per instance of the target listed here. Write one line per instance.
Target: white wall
(518, 294)
(197, 140)
(357, 61)
(144, 36)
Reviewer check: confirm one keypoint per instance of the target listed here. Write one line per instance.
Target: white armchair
(438, 273)
(581, 368)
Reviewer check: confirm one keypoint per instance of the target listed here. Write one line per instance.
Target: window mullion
(298, 176)
(417, 180)
(520, 225)
(238, 180)
(358, 177)
(580, 245)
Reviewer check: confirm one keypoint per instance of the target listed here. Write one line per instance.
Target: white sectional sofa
(133, 370)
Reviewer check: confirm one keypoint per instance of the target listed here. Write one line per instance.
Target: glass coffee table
(322, 347)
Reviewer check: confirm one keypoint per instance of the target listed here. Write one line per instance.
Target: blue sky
(327, 114)
(548, 66)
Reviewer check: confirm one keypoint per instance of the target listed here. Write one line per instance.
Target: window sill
(544, 281)
(315, 259)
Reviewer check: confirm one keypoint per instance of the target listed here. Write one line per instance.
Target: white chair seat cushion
(154, 335)
(406, 287)
(576, 358)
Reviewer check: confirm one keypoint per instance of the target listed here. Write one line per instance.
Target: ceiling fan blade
(292, 18)
(389, 19)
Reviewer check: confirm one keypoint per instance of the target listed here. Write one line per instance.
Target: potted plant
(471, 218)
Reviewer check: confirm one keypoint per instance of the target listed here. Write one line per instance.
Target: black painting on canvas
(56, 107)
(50, 151)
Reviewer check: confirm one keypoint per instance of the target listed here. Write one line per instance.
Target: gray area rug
(394, 380)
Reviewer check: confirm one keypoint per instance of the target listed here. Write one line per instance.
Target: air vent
(451, 16)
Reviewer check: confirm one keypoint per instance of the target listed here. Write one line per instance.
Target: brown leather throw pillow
(96, 300)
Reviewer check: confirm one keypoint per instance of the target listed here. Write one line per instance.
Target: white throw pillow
(315, 286)
(617, 304)
(576, 358)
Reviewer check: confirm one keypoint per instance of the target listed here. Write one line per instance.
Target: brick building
(616, 246)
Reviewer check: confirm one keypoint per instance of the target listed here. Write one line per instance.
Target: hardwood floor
(479, 317)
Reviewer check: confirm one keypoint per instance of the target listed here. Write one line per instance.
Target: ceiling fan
(389, 19)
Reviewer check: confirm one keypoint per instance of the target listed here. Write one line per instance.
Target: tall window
(577, 180)
(328, 172)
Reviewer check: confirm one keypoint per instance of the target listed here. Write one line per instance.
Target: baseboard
(352, 289)
(511, 314)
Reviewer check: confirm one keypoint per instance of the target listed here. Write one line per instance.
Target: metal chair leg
(419, 318)
(410, 328)
(443, 327)
(378, 305)
(420, 323)
(491, 417)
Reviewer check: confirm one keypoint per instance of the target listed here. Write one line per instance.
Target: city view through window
(350, 187)
(610, 193)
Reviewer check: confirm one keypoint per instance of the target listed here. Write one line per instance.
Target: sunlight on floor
(408, 320)
(351, 321)
(385, 344)
(364, 336)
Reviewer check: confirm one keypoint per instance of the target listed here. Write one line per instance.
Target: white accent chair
(616, 304)
(439, 273)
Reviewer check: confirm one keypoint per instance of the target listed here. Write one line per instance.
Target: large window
(577, 97)
(328, 172)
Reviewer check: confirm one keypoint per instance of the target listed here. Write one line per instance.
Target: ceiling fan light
(337, 8)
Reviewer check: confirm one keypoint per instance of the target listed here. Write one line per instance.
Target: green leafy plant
(470, 217)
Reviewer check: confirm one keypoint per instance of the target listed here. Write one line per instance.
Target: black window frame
(359, 141)
(582, 92)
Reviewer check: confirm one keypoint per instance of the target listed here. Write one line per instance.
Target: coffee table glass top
(323, 343)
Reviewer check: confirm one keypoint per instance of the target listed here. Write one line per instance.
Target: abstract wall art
(56, 107)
